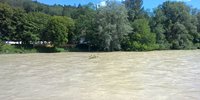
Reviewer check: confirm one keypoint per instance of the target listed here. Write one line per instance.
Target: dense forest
(117, 26)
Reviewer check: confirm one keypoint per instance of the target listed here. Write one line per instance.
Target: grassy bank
(11, 49)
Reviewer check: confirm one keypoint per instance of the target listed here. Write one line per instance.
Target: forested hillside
(117, 26)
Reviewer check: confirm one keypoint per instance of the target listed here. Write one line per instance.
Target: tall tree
(57, 30)
(197, 39)
(141, 38)
(135, 9)
(7, 29)
(113, 25)
(84, 22)
(174, 23)
(39, 21)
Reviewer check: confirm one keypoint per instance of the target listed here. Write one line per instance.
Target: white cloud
(103, 2)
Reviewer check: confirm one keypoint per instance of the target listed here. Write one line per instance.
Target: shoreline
(96, 52)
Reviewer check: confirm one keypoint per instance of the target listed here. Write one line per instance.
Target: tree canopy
(174, 25)
(113, 26)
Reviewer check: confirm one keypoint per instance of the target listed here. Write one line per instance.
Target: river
(156, 75)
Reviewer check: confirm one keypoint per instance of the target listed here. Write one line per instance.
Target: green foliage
(112, 26)
(116, 26)
(197, 37)
(26, 30)
(59, 49)
(69, 11)
(34, 6)
(85, 23)
(56, 10)
(57, 30)
(15, 25)
(38, 22)
(135, 9)
(7, 28)
(174, 26)
(1, 43)
(142, 38)
(10, 49)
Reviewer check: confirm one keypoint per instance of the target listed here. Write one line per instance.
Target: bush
(59, 49)
(1, 44)
(8, 49)
(197, 45)
(4, 48)
(44, 49)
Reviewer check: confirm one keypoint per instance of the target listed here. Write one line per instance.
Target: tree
(57, 30)
(113, 26)
(84, 24)
(68, 10)
(15, 25)
(174, 24)
(25, 30)
(7, 29)
(158, 26)
(198, 19)
(38, 21)
(197, 37)
(56, 10)
(30, 6)
(135, 9)
(15, 3)
(142, 38)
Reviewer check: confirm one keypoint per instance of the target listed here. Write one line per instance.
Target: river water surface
(157, 75)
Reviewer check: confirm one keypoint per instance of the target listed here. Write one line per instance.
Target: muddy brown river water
(157, 75)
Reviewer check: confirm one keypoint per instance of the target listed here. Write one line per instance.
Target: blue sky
(148, 4)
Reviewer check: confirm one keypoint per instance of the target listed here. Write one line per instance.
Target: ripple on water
(157, 75)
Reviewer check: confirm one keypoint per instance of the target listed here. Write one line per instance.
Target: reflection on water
(159, 75)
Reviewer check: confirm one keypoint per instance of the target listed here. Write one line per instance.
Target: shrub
(8, 49)
(4, 48)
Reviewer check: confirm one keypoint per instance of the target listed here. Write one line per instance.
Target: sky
(148, 4)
